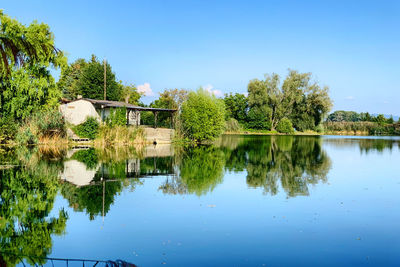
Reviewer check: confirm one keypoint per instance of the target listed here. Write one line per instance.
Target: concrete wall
(159, 135)
(77, 112)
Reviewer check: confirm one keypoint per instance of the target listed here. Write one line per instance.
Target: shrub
(117, 117)
(8, 128)
(25, 136)
(202, 116)
(232, 125)
(285, 126)
(48, 123)
(88, 129)
(259, 118)
(40, 125)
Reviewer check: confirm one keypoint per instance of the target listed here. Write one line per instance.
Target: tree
(22, 45)
(285, 126)
(87, 79)
(129, 94)
(299, 99)
(236, 106)
(91, 82)
(380, 119)
(70, 75)
(26, 84)
(169, 99)
(259, 115)
(202, 116)
(27, 195)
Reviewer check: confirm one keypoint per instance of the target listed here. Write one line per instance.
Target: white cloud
(145, 89)
(211, 90)
(349, 97)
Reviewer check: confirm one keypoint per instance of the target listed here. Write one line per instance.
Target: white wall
(76, 112)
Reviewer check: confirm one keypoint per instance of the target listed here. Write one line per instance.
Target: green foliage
(86, 78)
(25, 136)
(169, 99)
(88, 129)
(27, 195)
(232, 125)
(363, 127)
(120, 135)
(147, 118)
(236, 106)
(259, 118)
(285, 126)
(26, 85)
(129, 94)
(29, 46)
(8, 128)
(41, 124)
(117, 117)
(298, 99)
(70, 75)
(380, 119)
(202, 116)
(202, 169)
(87, 156)
(341, 115)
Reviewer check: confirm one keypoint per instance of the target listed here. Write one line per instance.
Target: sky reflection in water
(247, 200)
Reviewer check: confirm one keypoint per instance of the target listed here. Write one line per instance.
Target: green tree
(26, 46)
(202, 116)
(259, 115)
(169, 99)
(91, 81)
(129, 94)
(27, 194)
(300, 99)
(285, 126)
(26, 84)
(380, 119)
(236, 106)
(70, 75)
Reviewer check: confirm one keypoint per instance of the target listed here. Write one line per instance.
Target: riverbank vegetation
(30, 96)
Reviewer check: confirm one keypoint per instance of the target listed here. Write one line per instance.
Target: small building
(77, 111)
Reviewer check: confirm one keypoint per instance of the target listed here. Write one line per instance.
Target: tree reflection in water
(291, 162)
(270, 161)
(27, 196)
(30, 180)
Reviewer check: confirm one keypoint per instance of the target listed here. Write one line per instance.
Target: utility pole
(105, 79)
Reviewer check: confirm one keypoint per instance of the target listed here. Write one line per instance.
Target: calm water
(248, 200)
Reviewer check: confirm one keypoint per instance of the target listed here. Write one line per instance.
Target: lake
(245, 201)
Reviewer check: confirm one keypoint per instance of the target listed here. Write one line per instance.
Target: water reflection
(27, 196)
(91, 179)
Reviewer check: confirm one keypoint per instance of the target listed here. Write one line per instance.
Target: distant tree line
(352, 116)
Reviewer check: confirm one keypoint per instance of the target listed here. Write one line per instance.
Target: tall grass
(119, 135)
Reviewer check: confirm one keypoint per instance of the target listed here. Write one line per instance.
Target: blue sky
(351, 46)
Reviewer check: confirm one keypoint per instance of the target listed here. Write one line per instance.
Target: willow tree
(298, 98)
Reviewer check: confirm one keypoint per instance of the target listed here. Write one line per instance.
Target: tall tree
(26, 84)
(22, 45)
(70, 75)
(236, 106)
(299, 99)
(91, 82)
(130, 94)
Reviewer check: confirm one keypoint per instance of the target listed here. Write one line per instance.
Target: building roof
(118, 104)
